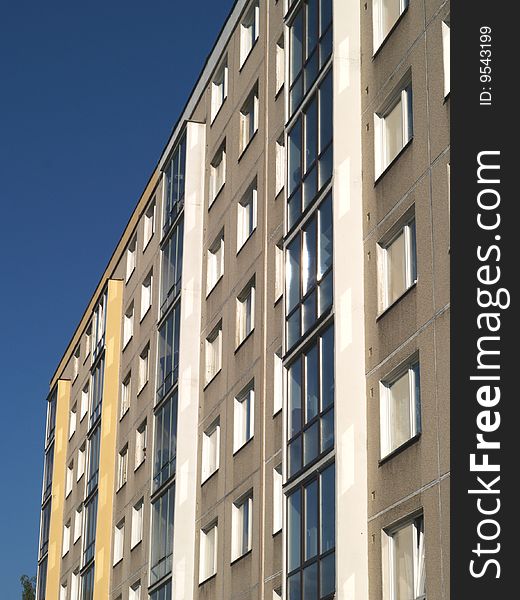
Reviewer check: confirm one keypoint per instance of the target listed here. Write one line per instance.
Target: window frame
(220, 78)
(215, 262)
(212, 353)
(242, 436)
(241, 546)
(246, 44)
(217, 173)
(210, 461)
(245, 312)
(248, 120)
(246, 224)
(379, 35)
(208, 571)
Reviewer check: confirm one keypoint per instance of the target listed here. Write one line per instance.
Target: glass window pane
(311, 520)
(296, 44)
(325, 294)
(311, 384)
(295, 456)
(311, 133)
(295, 398)
(308, 260)
(328, 509)
(325, 15)
(326, 112)
(327, 575)
(327, 368)
(294, 588)
(295, 156)
(293, 274)
(325, 167)
(394, 140)
(309, 312)
(310, 187)
(310, 582)
(403, 563)
(325, 236)
(311, 443)
(390, 10)
(396, 268)
(400, 421)
(293, 328)
(312, 25)
(294, 530)
(327, 430)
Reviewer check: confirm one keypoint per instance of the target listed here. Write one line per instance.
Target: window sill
(279, 192)
(242, 343)
(208, 294)
(279, 91)
(118, 562)
(246, 240)
(137, 467)
(239, 558)
(145, 384)
(277, 412)
(217, 195)
(399, 449)
(235, 452)
(396, 301)
(120, 487)
(143, 316)
(393, 161)
(249, 142)
(136, 545)
(383, 42)
(446, 97)
(276, 533)
(277, 300)
(213, 118)
(211, 380)
(124, 414)
(129, 277)
(210, 476)
(246, 57)
(147, 243)
(126, 344)
(208, 579)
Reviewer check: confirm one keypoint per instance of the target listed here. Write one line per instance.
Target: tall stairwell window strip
(310, 47)
(165, 450)
(97, 381)
(310, 395)
(311, 542)
(174, 185)
(310, 152)
(168, 363)
(171, 267)
(98, 327)
(308, 273)
(162, 535)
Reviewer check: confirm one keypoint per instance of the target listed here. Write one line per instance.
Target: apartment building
(255, 403)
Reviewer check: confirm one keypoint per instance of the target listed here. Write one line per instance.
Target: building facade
(255, 403)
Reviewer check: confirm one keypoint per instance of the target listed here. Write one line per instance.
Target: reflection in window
(310, 394)
(162, 535)
(311, 538)
(171, 267)
(165, 450)
(309, 273)
(174, 182)
(168, 368)
(310, 152)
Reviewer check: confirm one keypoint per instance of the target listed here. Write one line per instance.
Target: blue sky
(89, 93)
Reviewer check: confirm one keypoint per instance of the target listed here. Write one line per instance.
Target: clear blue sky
(89, 93)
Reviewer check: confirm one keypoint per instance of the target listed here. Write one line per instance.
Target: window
(130, 258)
(208, 552)
(66, 539)
(47, 471)
(137, 523)
(128, 325)
(310, 396)
(174, 185)
(80, 471)
(93, 459)
(308, 274)
(213, 352)
(246, 217)
(84, 401)
(90, 529)
(244, 417)
(74, 585)
(310, 150)
(119, 541)
(99, 326)
(146, 294)
(140, 445)
(165, 451)
(217, 173)
(164, 592)
(280, 64)
(248, 119)
(404, 571)
(51, 416)
(310, 47)
(42, 579)
(96, 399)
(75, 363)
(45, 529)
(393, 127)
(277, 594)
(72, 420)
(162, 536)
(386, 13)
(144, 366)
(63, 591)
(78, 523)
(168, 368)
(219, 88)
(400, 408)
(210, 450)
(242, 526)
(446, 54)
(249, 30)
(148, 224)
(277, 499)
(215, 266)
(171, 265)
(87, 584)
(69, 479)
(311, 537)
(88, 341)
(278, 271)
(134, 593)
(245, 312)
(397, 264)
(280, 165)
(277, 382)
(126, 391)
(122, 467)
